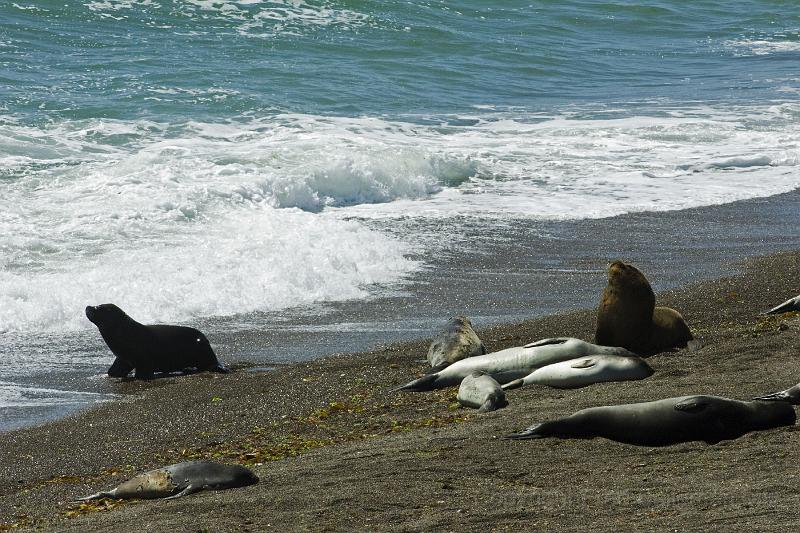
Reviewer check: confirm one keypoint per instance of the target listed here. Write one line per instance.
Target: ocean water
(262, 165)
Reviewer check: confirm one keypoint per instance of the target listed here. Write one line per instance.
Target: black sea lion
(150, 349)
(627, 315)
(688, 418)
(180, 479)
(458, 341)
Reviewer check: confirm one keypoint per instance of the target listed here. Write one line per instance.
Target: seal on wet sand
(458, 341)
(480, 391)
(627, 315)
(180, 479)
(149, 349)
(663, 422)
(584, 371)
(512, 363)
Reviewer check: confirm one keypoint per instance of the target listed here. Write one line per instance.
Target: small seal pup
(584, 371)
(627, 315)
(150, 349)
(480, 391)
(792, 304)
(710, 419)
(791, 395)
(180, 479)
(458, 341)
(512, 363)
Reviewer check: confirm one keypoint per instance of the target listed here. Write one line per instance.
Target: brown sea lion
(627, 315)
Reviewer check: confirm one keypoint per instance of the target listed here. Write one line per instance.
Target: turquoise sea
(260, 165)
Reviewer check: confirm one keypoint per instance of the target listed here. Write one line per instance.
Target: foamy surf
(177, 221)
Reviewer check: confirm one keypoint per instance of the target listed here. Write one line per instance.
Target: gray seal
(458, 341)
(180, 479)
(512, 363)
(480, 391)
(710, 419)
(792, 304)
(585, 371)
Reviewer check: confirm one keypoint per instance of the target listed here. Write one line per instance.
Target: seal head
(458, 341)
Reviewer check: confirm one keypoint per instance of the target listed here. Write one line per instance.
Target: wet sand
(336, 451)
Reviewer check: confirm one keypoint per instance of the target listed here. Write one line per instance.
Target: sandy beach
(337, 451)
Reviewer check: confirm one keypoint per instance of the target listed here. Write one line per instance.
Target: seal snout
(90, 312)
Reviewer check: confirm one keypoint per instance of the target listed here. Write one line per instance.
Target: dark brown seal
(627, 315)
(149, 349)
(710, 419)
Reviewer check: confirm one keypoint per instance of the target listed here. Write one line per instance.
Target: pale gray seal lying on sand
(792, 304)
(584, 371)
(627, 315)
(663, 422)
(512, 363)
(480, 391)
(149, 349)
(180, 479)
(791, 395)
(458, 341)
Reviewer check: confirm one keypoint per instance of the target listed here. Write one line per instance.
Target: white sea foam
(177, 221)
(760, 47)
(251, 18)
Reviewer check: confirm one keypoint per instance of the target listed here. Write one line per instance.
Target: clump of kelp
(366, 415)
(357, 417)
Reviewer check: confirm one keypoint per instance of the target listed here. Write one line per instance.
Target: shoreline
(332, 445)
(493, 274)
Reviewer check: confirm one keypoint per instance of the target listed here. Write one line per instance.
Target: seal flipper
(545, 342)
(584, 363)
(782, 396)
(691, 405)
(438, 368)
(517, 383)
(98, 495)
(190, 489)
(119, 368)
(488, 406)
(424, 383)
(791, 395)
(219, 369)
(533, 432)
(792, 304)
